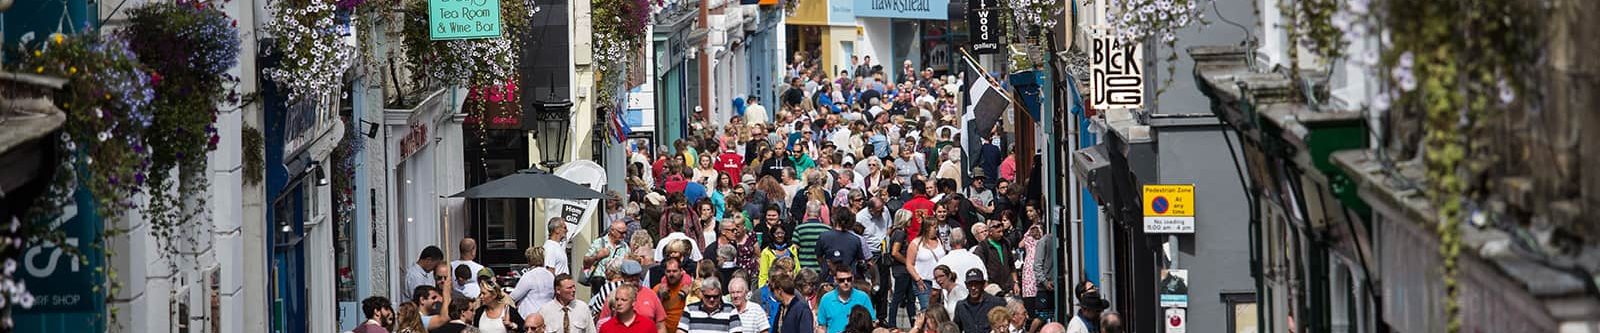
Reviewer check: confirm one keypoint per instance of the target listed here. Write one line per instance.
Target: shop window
(341, 174)
(1242, 312)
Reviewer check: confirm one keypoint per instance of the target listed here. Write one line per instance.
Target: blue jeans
(904, 291)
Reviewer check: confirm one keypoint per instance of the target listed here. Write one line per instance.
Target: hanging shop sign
(1117, 77)
(983, 25)
(1169, 209)
(306, 120)
(904, 9)
(577, 213)
(463, 19)
(57, 278)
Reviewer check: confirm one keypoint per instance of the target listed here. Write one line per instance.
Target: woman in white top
(925, 252)
(495, 315)
(537, 285)
(705, 172)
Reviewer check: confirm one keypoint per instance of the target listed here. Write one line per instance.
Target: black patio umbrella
(527, 184)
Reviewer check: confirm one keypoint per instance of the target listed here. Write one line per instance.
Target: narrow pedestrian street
(799, 166)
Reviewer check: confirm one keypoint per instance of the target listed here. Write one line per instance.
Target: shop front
(917, 31)
(670, 43)
(300, 138)
(764, 58)
(424, 148)
(826, 31)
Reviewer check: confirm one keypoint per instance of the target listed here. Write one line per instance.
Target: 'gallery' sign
(983, 24)
(904, 9)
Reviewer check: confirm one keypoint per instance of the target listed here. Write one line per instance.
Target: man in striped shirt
(752, 319)
(709, 315)
(807, 233)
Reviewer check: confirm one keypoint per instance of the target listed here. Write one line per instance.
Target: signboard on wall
(305, 120)
(576, 213)
(463, 19)
(1174, 288)
(841, 13)
(904, 9)
(1116, 74)
(59, 282)
(1176, 320)
(983, 25)
(1169, 209)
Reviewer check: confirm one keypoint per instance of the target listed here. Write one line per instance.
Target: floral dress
(747, 255)
(1030, 285)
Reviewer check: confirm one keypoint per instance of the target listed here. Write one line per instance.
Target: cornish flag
(988, 104)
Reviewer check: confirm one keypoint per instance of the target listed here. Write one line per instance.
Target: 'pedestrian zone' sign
(1169, 209)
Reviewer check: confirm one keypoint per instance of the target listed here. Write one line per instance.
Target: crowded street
(799, 166)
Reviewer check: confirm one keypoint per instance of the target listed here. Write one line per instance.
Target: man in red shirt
(730, 164)
(626, 320)
(920, 206)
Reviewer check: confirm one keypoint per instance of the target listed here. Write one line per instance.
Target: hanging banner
(463, 19)
(983, 25)
(1116, 77)
(1169, 209)
(576, 213)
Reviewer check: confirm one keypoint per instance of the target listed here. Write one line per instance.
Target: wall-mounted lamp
(372, 129)
(315, 169)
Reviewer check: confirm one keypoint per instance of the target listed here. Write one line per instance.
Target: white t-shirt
(555, 257)
(960, 261)
(755, 114)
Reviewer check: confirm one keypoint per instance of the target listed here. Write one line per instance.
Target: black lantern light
(553, 120)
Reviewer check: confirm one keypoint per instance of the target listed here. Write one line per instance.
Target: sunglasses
(845, 279)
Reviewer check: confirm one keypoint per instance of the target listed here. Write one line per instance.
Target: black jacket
(998, 262)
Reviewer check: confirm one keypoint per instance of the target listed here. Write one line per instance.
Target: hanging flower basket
(309, 37)
(107, 103)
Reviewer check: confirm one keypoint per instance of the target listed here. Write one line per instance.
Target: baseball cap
(630, 268)
(975, 275)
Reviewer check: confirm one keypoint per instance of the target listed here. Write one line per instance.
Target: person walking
(833, 308)
(752, 319)
(906, 286)
(794, 313)
(555, 249)
(972, 314)
(567, 314)
(710, 314)
(603, 251)
(807, 234)
(421, 272)
(626, 320)
(537, 285)
(378, 314)
(495, 313)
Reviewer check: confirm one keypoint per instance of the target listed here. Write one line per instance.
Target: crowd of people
(845, 211)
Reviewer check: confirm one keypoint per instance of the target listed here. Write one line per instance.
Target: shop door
(500, 226)
(288, 261)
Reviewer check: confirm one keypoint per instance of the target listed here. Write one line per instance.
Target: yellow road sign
(1169, 208)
